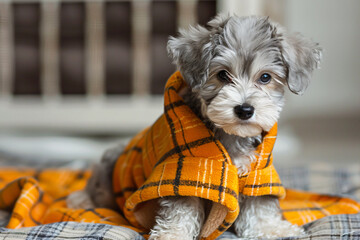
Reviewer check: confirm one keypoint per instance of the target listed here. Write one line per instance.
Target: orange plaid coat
(37, 197)
(179, 156)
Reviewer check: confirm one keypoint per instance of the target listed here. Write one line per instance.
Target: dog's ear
(301, 56)
(192, 50)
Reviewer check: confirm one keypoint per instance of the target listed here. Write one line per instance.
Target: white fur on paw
(274, 230)
(168, 236)
(163, 237)
(79, 199)
(178, 219)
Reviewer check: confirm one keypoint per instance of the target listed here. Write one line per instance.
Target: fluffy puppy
(237, 70)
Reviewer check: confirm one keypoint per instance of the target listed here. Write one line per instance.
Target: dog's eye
(265, 78)
(224, 76)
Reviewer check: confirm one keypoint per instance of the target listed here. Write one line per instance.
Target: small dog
(237, 69)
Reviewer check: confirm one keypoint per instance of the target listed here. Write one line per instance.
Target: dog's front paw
(162, 237)
(167, 236)
(79, 199)
(168, 232)
(273, 230)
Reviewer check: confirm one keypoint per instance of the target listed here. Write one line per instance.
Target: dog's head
(239, 68)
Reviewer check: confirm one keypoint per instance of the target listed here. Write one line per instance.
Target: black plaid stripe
(191, 183)
(225, 225)
(187, 183)
(181, 126)
(263, 185)
(243, 176)
(218, 145)
(152, 142)
(96, 213)
(268, 161)
(18, 216)
(174, 104)
(182, 148)
(83, 212)
(173, 135)
(64, 215)
(135, 148)
(60, 199)
(187, 146)
(221, 188)
(38, 201)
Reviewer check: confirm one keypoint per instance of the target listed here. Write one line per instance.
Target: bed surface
(320, 177)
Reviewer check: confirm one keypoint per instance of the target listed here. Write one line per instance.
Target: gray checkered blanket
(322, 178)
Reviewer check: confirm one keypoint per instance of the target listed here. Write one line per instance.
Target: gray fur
(235, 41)
(4, 218)
(235, 145)
(195, 45)
(245, 47)
(302, 56)
(99, 186)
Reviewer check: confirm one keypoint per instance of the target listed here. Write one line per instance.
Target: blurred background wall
(85, 73)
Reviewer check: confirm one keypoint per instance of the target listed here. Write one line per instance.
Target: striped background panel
(69, 59)
(26, 48)
(118, 48)
(72, 48)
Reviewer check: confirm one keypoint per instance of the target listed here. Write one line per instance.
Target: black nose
(244, 111)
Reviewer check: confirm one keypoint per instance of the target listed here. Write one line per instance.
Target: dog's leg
(98, 191)
(4, 218)
(178, 219)
(260, 217)
(79, 200)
